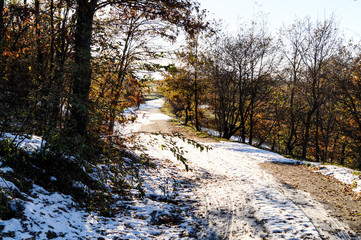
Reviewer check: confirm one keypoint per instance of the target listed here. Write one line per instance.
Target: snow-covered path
(224, 195)
(238, 200)
(245, 202)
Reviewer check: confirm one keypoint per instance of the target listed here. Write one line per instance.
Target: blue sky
(278, 12)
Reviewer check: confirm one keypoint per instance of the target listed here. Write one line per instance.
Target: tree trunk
(2, 34)
(243, 128)
(343, 153)
(2, 27)
(315, 107)
(2, 3)
(317, 137)
(196, 103)
(52, 31)
(38, 35)
(188, 107)
(251, 124)
(123, 66)
(289, 144)
(307, 135)
(82, 70)
(196, 88)
(328, 137)
(58, 57)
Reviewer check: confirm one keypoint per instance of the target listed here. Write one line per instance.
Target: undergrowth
(91, 183)
(96, 183)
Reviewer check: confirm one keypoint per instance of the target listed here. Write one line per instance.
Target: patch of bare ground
(190, 133)
(337, 197)
(168, 127)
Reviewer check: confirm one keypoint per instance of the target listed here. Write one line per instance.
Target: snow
(224, 195)
(56, 213)
(233, 138)
(28, 143)
(246, 184)
(343, 174)
(4, 184)
(143, 116)
(6, 169)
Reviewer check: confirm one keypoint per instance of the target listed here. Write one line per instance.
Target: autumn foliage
(68, 69)
(298, 94)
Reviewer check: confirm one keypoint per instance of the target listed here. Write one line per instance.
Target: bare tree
(320, 43)
(252, 57)
(242, 67)
(292, 40)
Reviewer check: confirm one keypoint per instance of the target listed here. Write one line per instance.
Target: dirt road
(242, 195)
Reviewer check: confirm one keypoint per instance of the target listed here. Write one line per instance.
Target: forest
(297, 93)
(70, 70)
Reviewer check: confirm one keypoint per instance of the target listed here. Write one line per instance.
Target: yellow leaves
(356, 79)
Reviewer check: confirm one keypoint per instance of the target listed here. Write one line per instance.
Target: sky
(283, 12)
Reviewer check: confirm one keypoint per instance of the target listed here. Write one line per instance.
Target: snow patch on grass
(342, 174)
(29, 143)
(224, 195)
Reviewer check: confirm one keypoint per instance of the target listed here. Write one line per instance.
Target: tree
(176, 12)
(177, 87)
(320, 43)
(2, 27)
(191, 59)
(347, 72)
(123, 39)
(249, 60)
(293, 39)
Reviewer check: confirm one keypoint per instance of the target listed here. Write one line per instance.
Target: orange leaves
(356, 71)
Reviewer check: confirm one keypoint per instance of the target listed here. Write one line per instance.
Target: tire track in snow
(240, 201)
(328, 227)
(227, 213)
(273, 212)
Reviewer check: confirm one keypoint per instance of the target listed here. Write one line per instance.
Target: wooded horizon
(69, 69)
